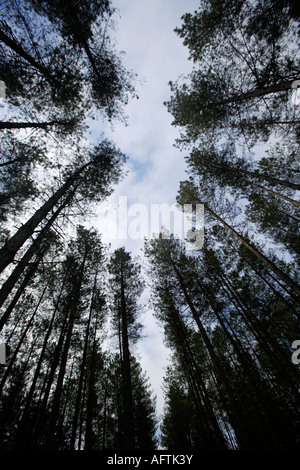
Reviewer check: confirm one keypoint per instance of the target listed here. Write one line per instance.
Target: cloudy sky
(153, 51)
(145, 32)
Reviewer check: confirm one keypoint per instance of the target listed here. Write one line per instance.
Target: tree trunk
(271, 179)
(274, 193)
(41, 412)
(283, 86)
(25, 435)
(13, 244)
(272, 348)
(284, 277)
(91, 400)
(82, 370)
(35, 247)
(22, 53)
(104, 426)
(20, 343)
(235, 415)
(41, 357)
(10, 162)
(31, 125)
(129, 439)
(51, 439)
(213, 436)
(19, 292)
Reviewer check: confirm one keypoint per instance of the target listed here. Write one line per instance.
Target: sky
(145, 32)
(153, 51)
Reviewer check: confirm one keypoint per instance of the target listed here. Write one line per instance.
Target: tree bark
(271, 179)
(129, 439)
(82, 370)
(23, 336)
(91, 399)
(284, 277)
(22, 53)
(13, 244)
(212, 434)
(51, 438)
(23, 263)
(31, 125)
(232, 399)
(274, 193)
(282, 86)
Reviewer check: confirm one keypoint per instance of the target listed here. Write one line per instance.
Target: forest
(70, 318)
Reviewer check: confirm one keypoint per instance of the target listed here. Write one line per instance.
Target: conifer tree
(126, 287)
(94, 179)
(236, 339)
(242, 80)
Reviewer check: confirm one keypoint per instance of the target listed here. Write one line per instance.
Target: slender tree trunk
(212, 434)
(31, 125)
(82, 371)
(267, 342)
(22, 430)
(21, 341)
(51, 440)
(263, 177)
(290, 216)
(234, 341)
(13, 244)
(263, 278)
(20, 291)
(232, 399)
(80, 430)
(104, 426)
(35, 247)
(280, 360)
(10, 162)
(275, 193)
(284, 277)
(91, 399)
(22, 53)
(129, 439)
(283, 86)
(41, 412)
(51, 432)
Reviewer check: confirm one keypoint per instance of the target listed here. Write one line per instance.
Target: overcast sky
(155, 52)
(145, 32)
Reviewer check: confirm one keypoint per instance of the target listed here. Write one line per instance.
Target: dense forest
(70, 320)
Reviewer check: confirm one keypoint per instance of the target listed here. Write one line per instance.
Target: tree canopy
(73, 309)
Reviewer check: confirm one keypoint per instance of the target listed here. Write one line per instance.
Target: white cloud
(153, 51)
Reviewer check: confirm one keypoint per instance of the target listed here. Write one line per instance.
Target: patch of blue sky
(141, 168)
